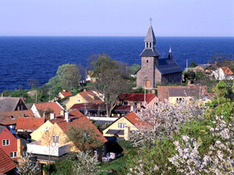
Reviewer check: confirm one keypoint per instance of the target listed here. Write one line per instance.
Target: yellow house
(52, 140)
(122, 126)
(83, 97)
(37, 134)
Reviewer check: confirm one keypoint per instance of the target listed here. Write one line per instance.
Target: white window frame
(55, 139)
(121, 125)
(14, 154)
(4, 142)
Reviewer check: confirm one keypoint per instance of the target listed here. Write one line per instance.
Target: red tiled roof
(49, 106)
(134, 119)
(73, 114)
(82, 122)
(136, 97)
(9, 118)
(6, 164)
(227, 70)
(29, 123)
(66, 93)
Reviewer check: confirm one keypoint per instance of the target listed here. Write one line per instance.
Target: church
(154, 69)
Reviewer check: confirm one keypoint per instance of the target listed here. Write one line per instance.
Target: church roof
(149, 53)
(150, 35)
(168, 66)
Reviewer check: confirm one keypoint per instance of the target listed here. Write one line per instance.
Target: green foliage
(149, 158)
(103, 63)
(193, 64)
(60, 167)
(200, 75)
(69, 75)
(134, 68)
(116, 167)
(84, 137)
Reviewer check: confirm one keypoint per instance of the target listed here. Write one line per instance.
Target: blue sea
(24, 58)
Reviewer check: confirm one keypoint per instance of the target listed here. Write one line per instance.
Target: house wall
(12, 147)
(37, 134)
(114, 125)
(35, 111)
(219, 74)
(55, 130)
(173, 100)
(152, 103)
(77, 99)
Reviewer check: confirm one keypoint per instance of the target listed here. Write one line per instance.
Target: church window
(150, 45)
(146, 45)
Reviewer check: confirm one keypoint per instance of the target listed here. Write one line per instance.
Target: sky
(116, 17)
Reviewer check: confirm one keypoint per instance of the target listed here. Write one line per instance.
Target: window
(179, 100)
(55, 139)
(5, 142)
(147, 61)
(13, 154)
(125, 103)
(121, 125)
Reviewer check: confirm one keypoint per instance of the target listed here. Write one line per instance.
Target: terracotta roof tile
(136, 97)
(66, 93)
(6, 164)
(83, 122)
(134, 119)
(49, 106)
(227, 70)
(29, 123)
(9, 118)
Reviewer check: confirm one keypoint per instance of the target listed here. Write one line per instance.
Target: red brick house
(8, 142)
(7, 166)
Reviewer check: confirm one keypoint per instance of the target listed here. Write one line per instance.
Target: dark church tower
(149, 60)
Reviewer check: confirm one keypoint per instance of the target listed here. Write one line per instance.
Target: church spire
(150, 37)
(150, 42)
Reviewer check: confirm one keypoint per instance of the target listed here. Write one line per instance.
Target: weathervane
(151, 21)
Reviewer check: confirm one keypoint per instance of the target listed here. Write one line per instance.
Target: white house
(223, 73)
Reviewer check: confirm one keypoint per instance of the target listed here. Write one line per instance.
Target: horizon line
(105, 36)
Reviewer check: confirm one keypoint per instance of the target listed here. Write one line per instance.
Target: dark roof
(149, 53)
(89, 106)
(150, 35)
(122, 108)
(8, 103)
(168, 66)
(115, 131)
(184, 92)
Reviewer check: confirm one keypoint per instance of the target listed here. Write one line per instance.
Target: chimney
(67, 117)
(2, 95)
(84, 90)
(52, 116)
(131, 108)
